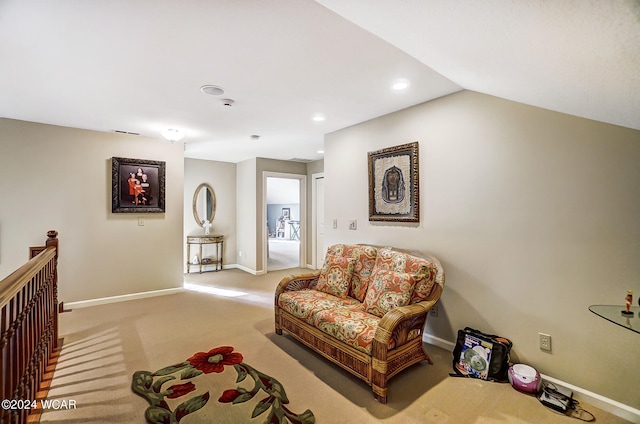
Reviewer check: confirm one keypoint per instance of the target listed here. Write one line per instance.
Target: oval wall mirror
(204, 204)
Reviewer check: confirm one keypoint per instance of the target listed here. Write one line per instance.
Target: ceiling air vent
(125, 132)
(300, 160)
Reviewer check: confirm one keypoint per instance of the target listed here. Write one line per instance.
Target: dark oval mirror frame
(210, 197)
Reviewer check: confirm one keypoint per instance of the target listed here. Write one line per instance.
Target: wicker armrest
(399, 321)
(297, 282)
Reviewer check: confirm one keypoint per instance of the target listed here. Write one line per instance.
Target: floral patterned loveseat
(365, 310)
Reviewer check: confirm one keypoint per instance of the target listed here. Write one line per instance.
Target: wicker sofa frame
(384, 363)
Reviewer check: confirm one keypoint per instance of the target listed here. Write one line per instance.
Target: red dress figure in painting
(132, 182)
(138, 190)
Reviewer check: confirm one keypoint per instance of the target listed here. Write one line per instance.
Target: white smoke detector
(227, 102)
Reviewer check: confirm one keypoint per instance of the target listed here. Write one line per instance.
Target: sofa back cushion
(420, 269)
(365, 260)
(387, 290)
(336, 275)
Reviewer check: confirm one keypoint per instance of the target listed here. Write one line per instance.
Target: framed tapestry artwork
(394, 193)
(137, 185)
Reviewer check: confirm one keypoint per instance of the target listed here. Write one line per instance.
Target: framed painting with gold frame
(394, 193)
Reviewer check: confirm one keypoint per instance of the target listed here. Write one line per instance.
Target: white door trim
(314, 218)
(303, 216)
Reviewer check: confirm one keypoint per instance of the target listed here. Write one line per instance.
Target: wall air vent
(300, 160)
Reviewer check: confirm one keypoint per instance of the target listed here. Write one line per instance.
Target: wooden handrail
(28, 329)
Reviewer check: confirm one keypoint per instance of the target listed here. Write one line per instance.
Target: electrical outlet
(545, 341)
(434, 311)
(335, 224)
(141, 222)
(353, 224)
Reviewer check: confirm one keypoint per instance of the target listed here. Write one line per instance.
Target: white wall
(535, 216)
(221, 176)
(244, 246)
(60, 178)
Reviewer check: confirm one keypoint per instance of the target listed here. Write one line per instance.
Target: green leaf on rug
(155, 414)
(190, 373)
(191, 405)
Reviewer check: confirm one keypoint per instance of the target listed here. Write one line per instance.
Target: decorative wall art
(394, 193)
(137, 185)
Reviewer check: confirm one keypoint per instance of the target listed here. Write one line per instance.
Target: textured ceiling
(137, 65)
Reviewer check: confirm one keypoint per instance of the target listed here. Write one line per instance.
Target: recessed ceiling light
(212, 90)
(400, 85)
(321, 151)
(318, 118)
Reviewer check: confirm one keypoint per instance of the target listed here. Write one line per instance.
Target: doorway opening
(284, 216)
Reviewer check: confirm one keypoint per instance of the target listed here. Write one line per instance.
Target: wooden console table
(200, 240)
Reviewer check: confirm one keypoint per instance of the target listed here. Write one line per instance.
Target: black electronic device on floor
(556, 397)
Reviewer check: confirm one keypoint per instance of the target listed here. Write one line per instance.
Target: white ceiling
(138, 65)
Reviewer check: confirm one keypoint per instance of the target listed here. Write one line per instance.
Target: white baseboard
(121, 298)
(611, 406)
(245, 269)
(437, 341)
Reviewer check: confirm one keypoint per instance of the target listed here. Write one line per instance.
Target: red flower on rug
(229, 396)
(178, 390)
(215, 359)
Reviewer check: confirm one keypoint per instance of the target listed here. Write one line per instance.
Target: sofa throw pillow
(335, 277)
(420, 269)
(365, 259)
(388, 290)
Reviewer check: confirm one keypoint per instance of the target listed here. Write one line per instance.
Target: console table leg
(188, 257)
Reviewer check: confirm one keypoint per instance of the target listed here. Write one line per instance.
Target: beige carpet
(104, 346)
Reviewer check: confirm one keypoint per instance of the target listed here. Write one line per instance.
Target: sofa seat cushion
(420, 269)
(365, 260)
(353, 326)
(335, 276)
(303, 303)
(388, 290)
(349, 324)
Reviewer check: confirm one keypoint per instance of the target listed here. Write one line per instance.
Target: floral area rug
(185, 389)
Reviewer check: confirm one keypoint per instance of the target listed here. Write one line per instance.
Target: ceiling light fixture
(172, 135)
(318, 118)
(212, 90)
(400, 85)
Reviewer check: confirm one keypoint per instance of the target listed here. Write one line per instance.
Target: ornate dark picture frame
(137, 185)
(394, 192)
